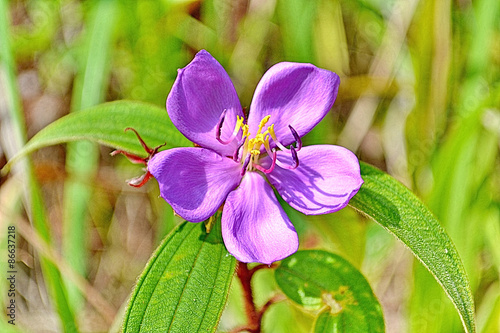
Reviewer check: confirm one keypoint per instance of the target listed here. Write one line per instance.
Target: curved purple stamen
(296, 136)
(218, 130)
(295, 159)
(273, 164)
(245, 164)
(237, 151)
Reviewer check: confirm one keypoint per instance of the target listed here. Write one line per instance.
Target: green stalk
(82, 157)
(14, 127)
(479, 57)
(462, 165)
(296, 18)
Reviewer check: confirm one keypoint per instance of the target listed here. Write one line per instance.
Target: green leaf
(318, 279)
(15, 133)
(105, 124)
(328, 322)
(184, 286)
(296, 19)
(399, 211)
(82, 158)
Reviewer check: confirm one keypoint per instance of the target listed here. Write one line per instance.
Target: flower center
(250, 146)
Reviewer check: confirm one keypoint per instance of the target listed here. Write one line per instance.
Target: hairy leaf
(399, 211)
(105, 124)
(184, 286)
(321, 280)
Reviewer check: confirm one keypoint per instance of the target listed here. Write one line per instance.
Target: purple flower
(240, 160)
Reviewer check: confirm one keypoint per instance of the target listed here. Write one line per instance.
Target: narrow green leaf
(105, 124)
(82, 157)
(296, 19)
(185, 285)
(33, 202)
(318, 279)
(399, 211)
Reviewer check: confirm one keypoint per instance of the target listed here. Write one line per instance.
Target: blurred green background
(419, 98)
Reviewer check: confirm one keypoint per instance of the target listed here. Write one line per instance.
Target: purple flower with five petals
(239, 161)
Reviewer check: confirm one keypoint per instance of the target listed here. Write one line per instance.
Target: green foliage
(105, 124)
(82, 157)
(33, 202)
(321, 280)
(394, 207)
(381, 198)
(428, 76)
(184, 286)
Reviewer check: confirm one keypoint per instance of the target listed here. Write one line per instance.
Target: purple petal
(201, 92)
(254, 226)
(194, 181)
(326, 179)
(293, 94)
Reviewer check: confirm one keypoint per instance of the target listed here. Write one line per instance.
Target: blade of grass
(10, 198)
(297, 19)
(13, 132)
(82, 157)
(105, 309)
(10, 201)
(330, 39)
(383, 65)
(459, 196)
(479, 61)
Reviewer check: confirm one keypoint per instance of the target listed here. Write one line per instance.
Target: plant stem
(245, 276)
(254, 316)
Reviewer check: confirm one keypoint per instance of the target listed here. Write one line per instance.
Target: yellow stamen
(271, 132)
(253, 145)
(239, 122)
(266, 144)
(263, 123)
(259, 138)
(246, 144)
(245, 130)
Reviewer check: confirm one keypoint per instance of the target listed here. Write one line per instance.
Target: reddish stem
(262, 266)
(245, 276)
(254, 316)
